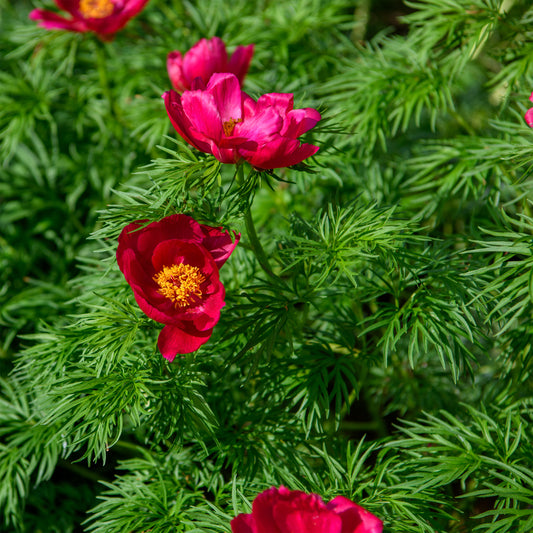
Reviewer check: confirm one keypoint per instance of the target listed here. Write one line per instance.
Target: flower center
(229, 125)
(96, 9)
(180, 283)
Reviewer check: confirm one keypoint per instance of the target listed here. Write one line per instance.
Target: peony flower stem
(102, 74)
(258, 250)
(462, 122)
(80, 471)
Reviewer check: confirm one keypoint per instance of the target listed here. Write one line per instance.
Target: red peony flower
(172, 267)
(204, 59)
(103, 17)
(222, 120)
(529, 114)
(292, 511)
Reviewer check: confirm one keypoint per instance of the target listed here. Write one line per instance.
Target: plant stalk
(257, 248)
(104, 82)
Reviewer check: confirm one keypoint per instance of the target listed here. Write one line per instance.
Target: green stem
(360, 426)
(375, 413)
(361, 17)
(128, 448)
(102, 74)
(104, 83)
(80, 471)
(252, 234)
(348, 404)
(462, 122)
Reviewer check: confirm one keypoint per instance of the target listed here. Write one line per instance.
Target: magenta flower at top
(292, 511)
(205, 58)
(529, 114)
(222, 120)
(103, 17)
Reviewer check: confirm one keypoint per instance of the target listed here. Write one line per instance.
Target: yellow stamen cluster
(96, 9)
(229, 125)
(180, 283)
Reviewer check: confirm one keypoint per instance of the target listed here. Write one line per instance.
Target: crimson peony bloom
(103, 17)
(204, 59)
(172, 267)
(292, 511)
(529, 114)
(222, 120)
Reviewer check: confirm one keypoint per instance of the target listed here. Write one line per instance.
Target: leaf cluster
(385, 354)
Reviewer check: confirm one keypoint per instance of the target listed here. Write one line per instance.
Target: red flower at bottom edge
(172, 267)
(292, 511)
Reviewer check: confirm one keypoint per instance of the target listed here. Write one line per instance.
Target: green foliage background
(388, 357)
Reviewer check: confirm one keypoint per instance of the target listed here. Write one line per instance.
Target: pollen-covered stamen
(180, 283)
(96, 9)
(229, 125)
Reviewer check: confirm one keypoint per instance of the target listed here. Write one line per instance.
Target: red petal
(116, 21)
(529, 117)
(173, 341)
(355, 519)
(219, 244)
(132, 8)
(224, 155)
(204, 59)
(175, 251)
(71, 6)
(278, 153)
(262, 510)
(154, 305)
(171, 227)
(281, 102)
(249, 106)
(243, 523)
(298, 121)
(261, 127)
(175, 71)
(203, 113)
(181, 123)
(53, 21)
(303, 520)
(226, 91)
(240, 61)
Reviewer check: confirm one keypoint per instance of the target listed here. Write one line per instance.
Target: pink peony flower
(222, 120)
(529, 114)
(172, 267)
(103, 17)
(204, 59)
(285, 511)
